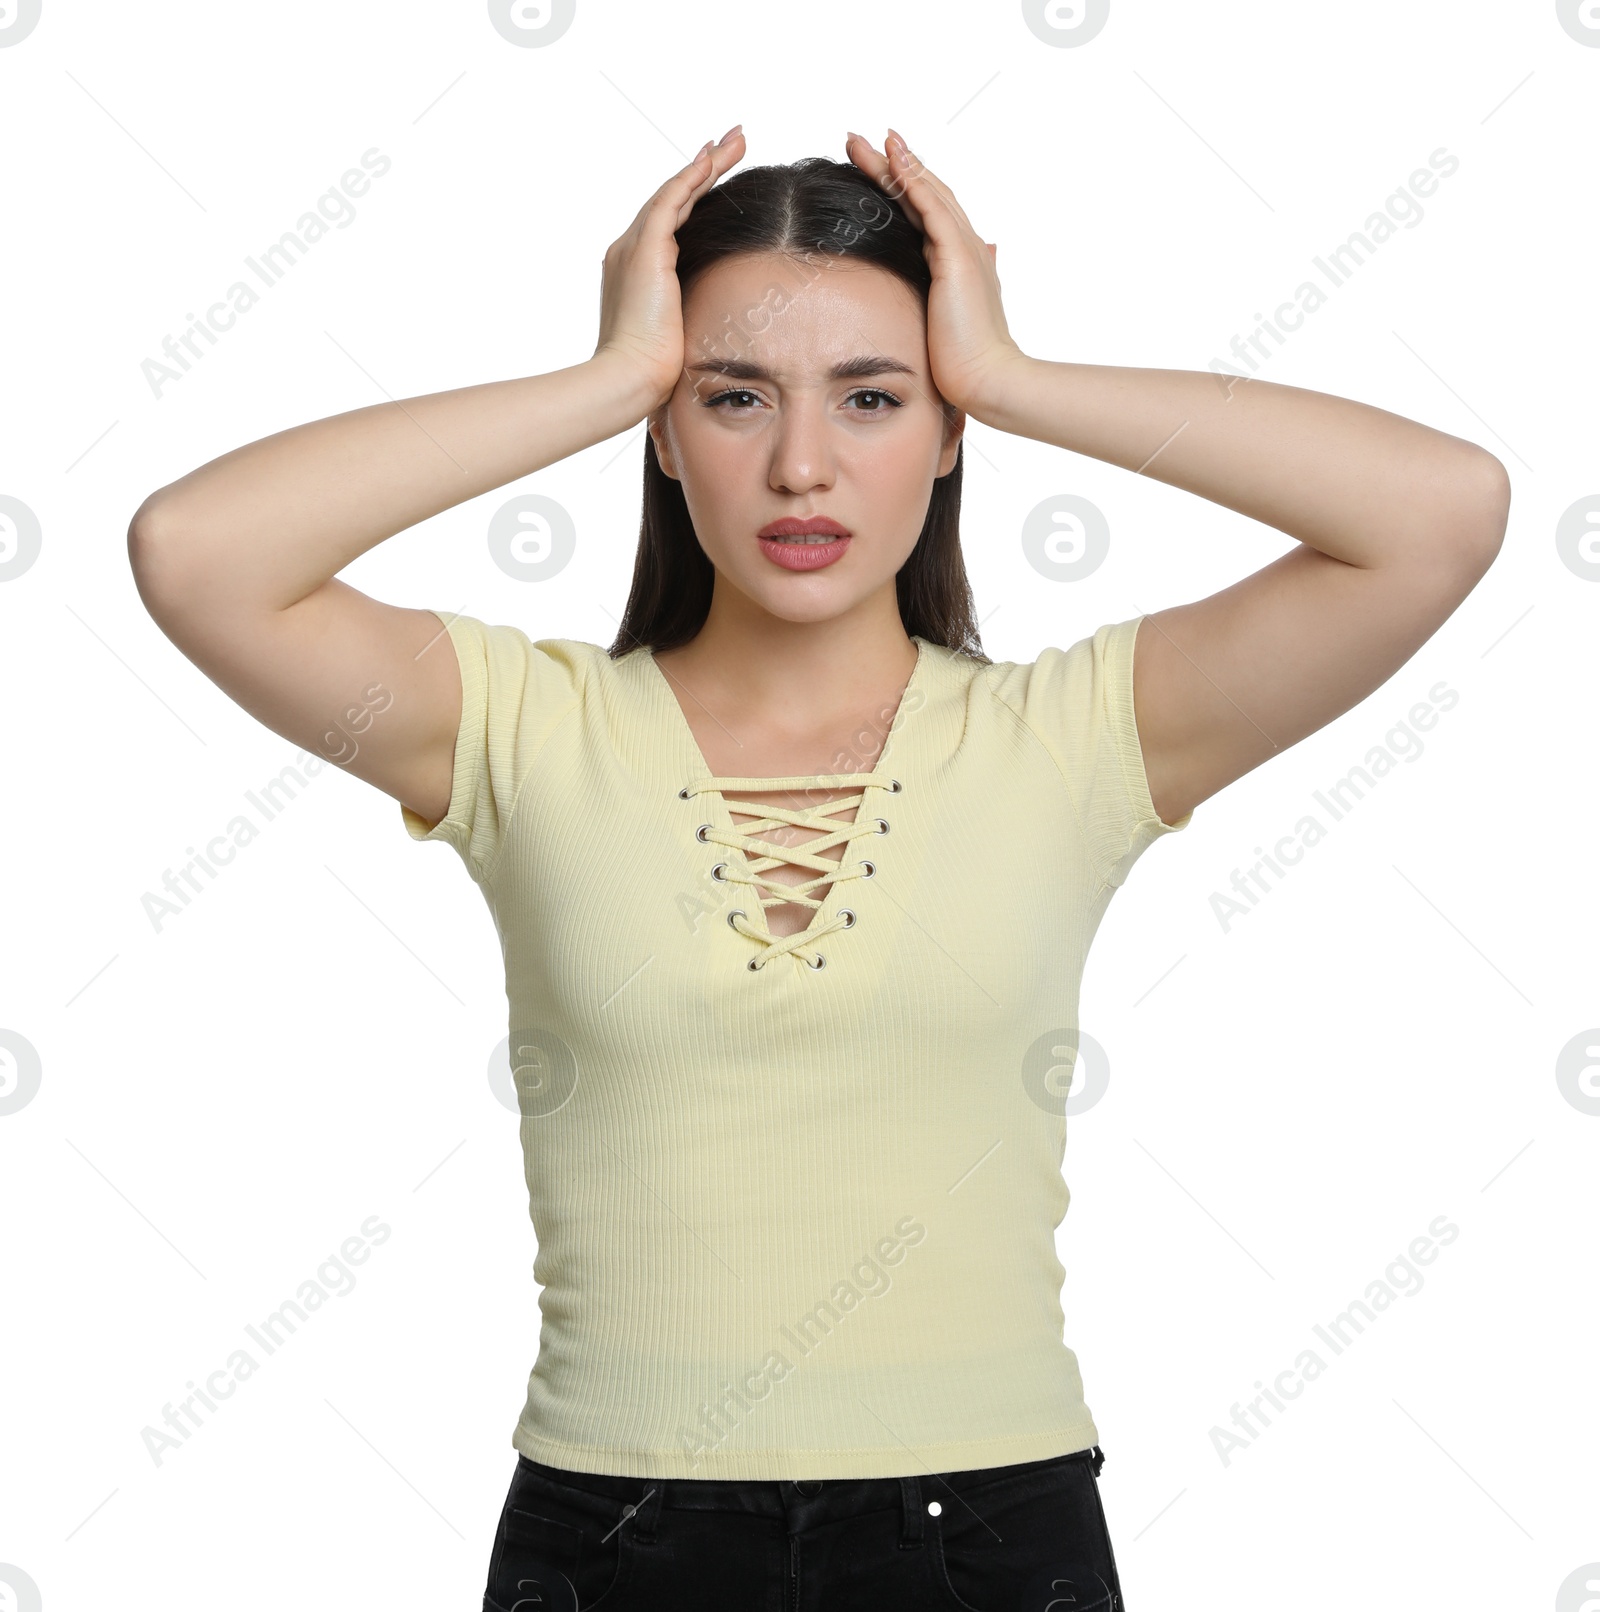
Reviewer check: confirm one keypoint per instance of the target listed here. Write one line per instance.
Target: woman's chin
(802, 597)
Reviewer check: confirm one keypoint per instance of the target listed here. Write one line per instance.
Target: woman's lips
(804, 526)
(803, 545)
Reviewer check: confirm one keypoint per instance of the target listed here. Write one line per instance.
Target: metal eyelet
(753, 966)
(700, 833)
(821, 959)
(883, 827)
(845, 912)
(716, 872)
(868, 869)
(894, 787)
(683, 794)
(738, 912)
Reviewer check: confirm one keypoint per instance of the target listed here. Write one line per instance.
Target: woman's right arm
(238, 561)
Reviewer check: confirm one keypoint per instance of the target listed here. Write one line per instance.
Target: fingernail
(702, 151)
(730, 134)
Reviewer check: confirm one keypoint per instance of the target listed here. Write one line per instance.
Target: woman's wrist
(628, 384)
(998, 397)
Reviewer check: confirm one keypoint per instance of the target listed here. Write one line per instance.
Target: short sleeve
(514, 694)
(1078, 702)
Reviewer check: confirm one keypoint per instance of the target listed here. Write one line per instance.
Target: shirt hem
(866, 1461)
(1120, 652)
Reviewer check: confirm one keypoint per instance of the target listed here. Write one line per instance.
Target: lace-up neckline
(759, 856)
(756, 856)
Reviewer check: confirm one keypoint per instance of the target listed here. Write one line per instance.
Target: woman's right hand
(641, 312)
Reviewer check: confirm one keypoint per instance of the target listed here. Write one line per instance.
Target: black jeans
(1025, 1538)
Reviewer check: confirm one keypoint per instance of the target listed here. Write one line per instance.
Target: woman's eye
(723, 396)
(887, 398)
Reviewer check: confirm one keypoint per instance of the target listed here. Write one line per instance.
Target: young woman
(794, 885)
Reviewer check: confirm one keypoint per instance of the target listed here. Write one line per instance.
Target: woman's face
(760, 426)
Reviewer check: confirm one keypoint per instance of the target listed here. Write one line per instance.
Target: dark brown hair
(811, 210)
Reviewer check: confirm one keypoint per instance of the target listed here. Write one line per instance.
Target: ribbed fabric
(796, 1222)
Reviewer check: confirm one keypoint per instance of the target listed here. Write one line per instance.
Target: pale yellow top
(796, 1221)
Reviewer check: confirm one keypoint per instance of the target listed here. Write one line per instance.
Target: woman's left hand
(970, 348)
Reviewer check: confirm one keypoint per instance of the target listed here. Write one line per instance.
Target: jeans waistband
(802, 1503)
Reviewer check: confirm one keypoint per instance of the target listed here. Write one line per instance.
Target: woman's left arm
(1396, 522)
(1396, 525)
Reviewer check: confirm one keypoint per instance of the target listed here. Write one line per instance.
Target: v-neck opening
(692, 746)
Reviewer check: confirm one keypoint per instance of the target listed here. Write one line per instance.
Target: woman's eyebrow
(847, 369)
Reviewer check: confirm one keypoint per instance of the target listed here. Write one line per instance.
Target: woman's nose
(801, 455)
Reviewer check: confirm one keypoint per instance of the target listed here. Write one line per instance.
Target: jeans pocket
(556, 1558)
(1032, 1543)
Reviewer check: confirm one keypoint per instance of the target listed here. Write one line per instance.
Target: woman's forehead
(788, 315)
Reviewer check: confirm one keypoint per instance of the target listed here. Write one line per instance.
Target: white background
(1293, 1098)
